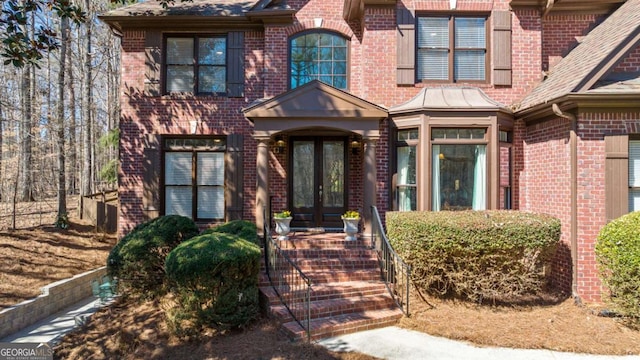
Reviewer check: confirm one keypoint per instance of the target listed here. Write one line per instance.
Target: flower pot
(351, 228)
(282, 227)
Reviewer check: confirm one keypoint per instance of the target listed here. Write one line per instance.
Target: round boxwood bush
(215, 277)
(618, 257)
(138, 258)
(475, 255)
(242, 228)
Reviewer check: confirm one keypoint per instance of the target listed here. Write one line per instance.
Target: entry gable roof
(315, 100)
(598, 53)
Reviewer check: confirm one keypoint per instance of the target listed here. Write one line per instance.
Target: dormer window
(196, 65)
(318, 56)
(452, 49)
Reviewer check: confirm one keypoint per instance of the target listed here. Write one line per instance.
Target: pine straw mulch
(550, 321)
(40, 255)
(133, 329)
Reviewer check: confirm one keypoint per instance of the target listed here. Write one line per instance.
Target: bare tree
(62, 195)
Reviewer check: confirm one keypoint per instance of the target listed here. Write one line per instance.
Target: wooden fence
(101, 210)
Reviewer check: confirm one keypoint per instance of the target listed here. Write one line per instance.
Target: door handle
(320, 192)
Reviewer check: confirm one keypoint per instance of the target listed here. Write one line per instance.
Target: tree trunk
(62, 195)
(87, 164)
(73, 159)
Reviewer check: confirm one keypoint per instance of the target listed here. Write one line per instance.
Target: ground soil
(132, 329)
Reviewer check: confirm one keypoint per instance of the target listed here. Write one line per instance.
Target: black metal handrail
(292, 286)
(395, 272)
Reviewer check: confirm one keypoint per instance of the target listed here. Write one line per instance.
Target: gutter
(573, 148)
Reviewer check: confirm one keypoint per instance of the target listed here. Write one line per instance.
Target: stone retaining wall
(55, 297)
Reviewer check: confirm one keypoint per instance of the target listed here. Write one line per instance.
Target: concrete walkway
(51, 329)
(395, 343)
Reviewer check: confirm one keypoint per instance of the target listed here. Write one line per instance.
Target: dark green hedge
(138, 258)
(618, 257)
(242, 228)
(475, 255)
(215, 276)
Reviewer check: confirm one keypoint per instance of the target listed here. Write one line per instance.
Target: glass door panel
(333, 173)
(303, 174)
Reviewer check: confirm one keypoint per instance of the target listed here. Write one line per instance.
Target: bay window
(459, 169)
(406, 186)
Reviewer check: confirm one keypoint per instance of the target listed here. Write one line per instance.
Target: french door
(317, 186)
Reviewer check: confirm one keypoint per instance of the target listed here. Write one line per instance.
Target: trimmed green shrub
(138, 258)
(618, 257)
(244, 229)
(215, 277)
(475, 255)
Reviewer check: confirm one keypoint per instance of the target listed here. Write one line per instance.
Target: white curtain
(404, 200)
(480, 179)
(435, 180)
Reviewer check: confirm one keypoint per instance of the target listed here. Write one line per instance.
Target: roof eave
(180, 22)
(620, 101)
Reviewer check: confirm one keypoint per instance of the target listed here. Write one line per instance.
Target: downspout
(573, 148)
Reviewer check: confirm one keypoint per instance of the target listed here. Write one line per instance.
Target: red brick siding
(631, 63)
(561, 33)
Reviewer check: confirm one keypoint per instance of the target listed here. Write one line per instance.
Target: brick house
(232, 107)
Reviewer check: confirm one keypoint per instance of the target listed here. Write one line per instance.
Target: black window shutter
(406, 47)
(234, 178)
(501, 48)
(151, 176)
(235, 64)
(153, 63)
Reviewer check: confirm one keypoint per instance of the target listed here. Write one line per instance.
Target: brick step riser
(329, 254)
(341, 329)
(359, 266)
(328, 295)
(335, 277)
(284, 316)
(323, 244)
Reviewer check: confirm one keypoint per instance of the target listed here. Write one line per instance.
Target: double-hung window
(634, 175)
(194, 177)
(452, 48)
(196, 64)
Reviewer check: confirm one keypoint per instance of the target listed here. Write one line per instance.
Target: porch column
(370, 181)
(262, 183)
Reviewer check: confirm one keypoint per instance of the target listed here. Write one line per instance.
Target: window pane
(634, 163)
(407, 165)
(177, 168)
(180, 78)
(411, 134)
(433, 64)
(178, 200)
(469, 64)
(212, 79)
(407, 198)
(318, 56)
(303, 190)
(212, 51)
(634, 200)
(180, 51)
(470, 33)
(210, 202)
(210, 169)
(333, 173)
(433, 32)
(460, 179)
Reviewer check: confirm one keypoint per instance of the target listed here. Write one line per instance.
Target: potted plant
(282, 220)
(351, 219)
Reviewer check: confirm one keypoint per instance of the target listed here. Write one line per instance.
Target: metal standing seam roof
(449, 98)
(576, 71)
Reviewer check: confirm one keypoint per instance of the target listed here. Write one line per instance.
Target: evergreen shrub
(138, 258)
(475, 255)
(618, 258)
(215, 278)
(242, 228)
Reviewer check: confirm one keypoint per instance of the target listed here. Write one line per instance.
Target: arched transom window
(318, 56)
